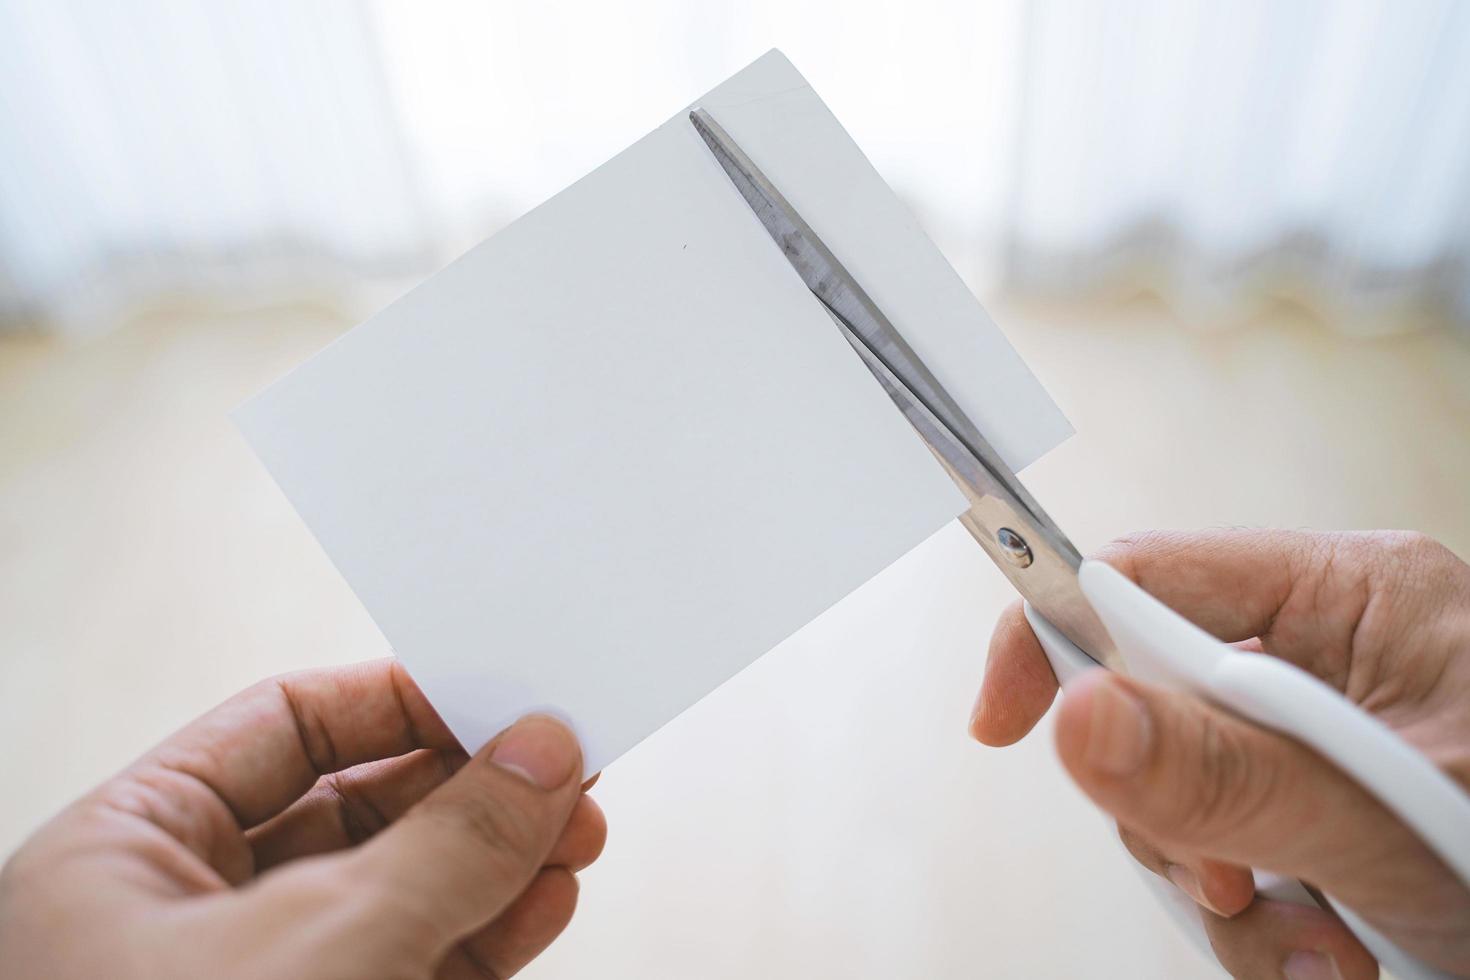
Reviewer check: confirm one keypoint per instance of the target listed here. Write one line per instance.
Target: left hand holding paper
(323, 824)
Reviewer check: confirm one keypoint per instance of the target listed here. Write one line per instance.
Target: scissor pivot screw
(1014, 547)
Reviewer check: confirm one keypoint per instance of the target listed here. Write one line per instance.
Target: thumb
(462, 855)
(1201, 781)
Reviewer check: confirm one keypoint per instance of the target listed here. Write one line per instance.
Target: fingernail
(540, 749)
(1307, 964)
(1120, 730)
(1188, 882)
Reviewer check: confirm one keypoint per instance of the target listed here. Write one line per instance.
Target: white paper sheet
(615, 453)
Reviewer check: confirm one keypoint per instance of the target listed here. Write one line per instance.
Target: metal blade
(1043, 567)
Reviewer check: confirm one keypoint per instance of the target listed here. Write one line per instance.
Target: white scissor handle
(1161, 646)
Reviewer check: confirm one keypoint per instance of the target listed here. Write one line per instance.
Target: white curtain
(1218, 151)
(157, 147)
(1223, 152)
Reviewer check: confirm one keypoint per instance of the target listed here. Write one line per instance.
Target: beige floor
(822, 814)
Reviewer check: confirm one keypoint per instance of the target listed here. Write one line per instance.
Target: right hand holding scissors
(1202, 796)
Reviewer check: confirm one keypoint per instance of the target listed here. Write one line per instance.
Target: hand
(1200, 795)
(323, 824)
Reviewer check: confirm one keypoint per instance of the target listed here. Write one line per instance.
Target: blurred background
(1232, 238)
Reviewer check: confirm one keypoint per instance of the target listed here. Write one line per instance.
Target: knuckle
(1409, 556)
(314, 734)
(174, 800)
(1230, 786)
(358, 817)
(1409, 574)
(1122, 551)
(1197, 809)
(1406, 544)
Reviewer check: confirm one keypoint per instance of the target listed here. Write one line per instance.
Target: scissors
(1088, 616)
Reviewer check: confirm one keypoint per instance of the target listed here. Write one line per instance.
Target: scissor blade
(1048, 576)
(1000, 505)
(840, 292)
(826, 277)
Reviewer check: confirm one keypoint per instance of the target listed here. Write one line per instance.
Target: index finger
(266, 746)
(1231, 583)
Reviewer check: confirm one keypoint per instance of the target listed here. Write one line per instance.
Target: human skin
(322, 824)
(1200, 795)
